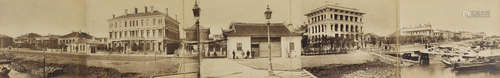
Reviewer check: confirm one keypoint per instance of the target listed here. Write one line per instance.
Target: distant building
(49, 42)
(6, 41)
(147, 31)
(81, 42)
(252, 37)
(443, 34)
(335, 22)
(191, 40)
(420, 30)
(465, 35)
(26, 41)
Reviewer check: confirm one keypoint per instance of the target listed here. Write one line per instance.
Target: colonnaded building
(144, 32)
(333, 21)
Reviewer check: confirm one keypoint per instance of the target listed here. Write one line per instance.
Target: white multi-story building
(147, 31)
(335, 21)
(420, 30)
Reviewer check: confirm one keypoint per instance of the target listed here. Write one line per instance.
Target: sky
(448, 14)
(18, 17)
(215, 14)
(60, 17)
(64, 16)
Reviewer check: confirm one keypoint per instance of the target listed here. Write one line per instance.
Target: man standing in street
(234, 55)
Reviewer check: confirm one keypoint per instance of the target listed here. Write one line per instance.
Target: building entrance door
(255, 50)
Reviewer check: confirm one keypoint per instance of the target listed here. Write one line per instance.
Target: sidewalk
(226, 68)
(281, 64)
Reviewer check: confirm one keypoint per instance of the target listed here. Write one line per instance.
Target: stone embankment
(38, 69)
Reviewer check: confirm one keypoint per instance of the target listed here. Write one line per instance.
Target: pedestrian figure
(248, 54)
(215, 54)
(234, 55)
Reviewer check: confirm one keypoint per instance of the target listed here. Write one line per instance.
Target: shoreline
(376, 69)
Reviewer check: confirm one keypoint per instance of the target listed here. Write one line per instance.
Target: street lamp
(268, 13)
(196, 13)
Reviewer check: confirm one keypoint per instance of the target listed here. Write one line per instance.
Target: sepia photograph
(249, 38)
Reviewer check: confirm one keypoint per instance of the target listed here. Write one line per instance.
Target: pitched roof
(140, 14)
(30, 35)
(53, 36)
(259, 29)
(4, 36)
(78, 34)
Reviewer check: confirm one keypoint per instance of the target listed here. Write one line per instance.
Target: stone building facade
(146, 31)
(335, 22)
(6, 41)
(249, 40)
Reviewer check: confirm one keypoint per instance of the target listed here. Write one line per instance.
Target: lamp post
(268, 13)
(196, 13)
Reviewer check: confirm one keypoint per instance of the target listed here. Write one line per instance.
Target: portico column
(161, 46)
(151, 46)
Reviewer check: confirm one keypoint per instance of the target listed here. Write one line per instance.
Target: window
(110, 34)
(357, 30)
(336, 27)
(292, 46)
(239, 46)
(125, 24)
(341, 28)
(346, 18)
(142, 33)
(126, 34)
(322, 28)
(331, 27)
(341, 17)
(131, 34)
(350, 18)
(147, 33)
(346, 28)
(154, 33)
(352, 27)
(154, 21)
(142, 22)
(355, 19)
(335, 16)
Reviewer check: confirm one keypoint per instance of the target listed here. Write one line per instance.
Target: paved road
(226, 68)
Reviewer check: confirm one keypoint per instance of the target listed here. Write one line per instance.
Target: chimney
(135, 9)
(166, 11)
(145, 9)
(126, 11)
